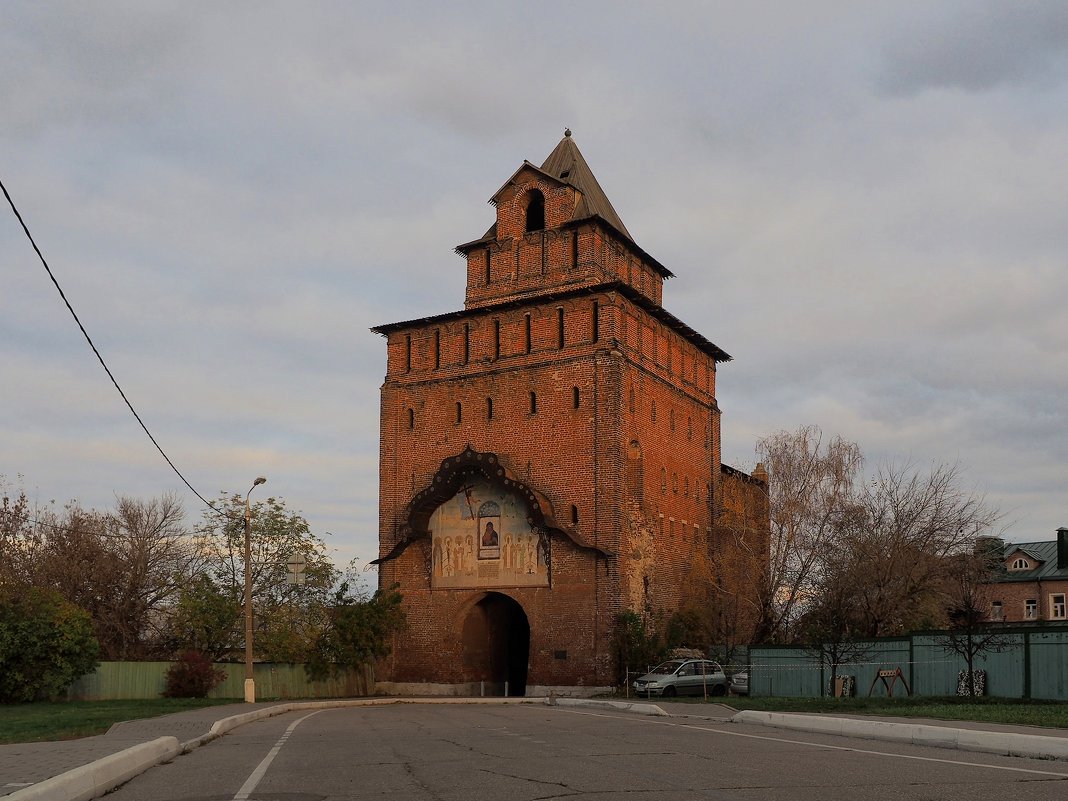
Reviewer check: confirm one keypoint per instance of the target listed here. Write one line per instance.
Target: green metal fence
(129, 680)
(1031, 662)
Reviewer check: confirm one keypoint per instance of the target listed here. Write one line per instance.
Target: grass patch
(30, 723)
(982, 710)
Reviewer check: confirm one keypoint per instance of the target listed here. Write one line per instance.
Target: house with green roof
(1033, 586)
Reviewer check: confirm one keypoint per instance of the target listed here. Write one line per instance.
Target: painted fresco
(482, 538)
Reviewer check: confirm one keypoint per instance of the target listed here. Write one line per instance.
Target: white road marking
(823, 745)
(257, 775)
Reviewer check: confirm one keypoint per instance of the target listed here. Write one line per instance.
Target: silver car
(683, 677)
(740, 683)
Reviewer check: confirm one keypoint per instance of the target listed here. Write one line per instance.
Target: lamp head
(258, 481)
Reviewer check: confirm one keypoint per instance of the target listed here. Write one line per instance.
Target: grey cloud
(233, 214)
(977, 47)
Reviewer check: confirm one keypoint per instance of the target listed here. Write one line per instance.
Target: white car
(683, 677)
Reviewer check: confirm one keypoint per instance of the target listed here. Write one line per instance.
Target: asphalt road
(521, 753)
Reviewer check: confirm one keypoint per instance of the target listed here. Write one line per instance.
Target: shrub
(637, 644)
(192, 676)
(45, 644)
(359, 631)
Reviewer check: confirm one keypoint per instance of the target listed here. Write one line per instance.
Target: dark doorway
(496, 641)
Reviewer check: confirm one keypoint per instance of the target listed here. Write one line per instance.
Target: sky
(863, 203)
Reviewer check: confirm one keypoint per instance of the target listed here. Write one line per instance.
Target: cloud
(862, 206)
(978, 48)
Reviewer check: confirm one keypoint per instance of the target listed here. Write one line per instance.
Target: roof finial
(567, 132)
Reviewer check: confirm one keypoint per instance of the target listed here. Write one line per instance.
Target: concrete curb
(1034, 746)
(622, 706)
(96, 778)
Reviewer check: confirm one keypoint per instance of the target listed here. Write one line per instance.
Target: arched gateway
(496, 645)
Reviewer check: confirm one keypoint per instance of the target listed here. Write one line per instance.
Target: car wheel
(718, 690)
(670, 692)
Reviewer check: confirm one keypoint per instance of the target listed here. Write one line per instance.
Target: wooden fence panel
(135, 680)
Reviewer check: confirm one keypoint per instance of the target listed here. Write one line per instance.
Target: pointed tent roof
(567, 165)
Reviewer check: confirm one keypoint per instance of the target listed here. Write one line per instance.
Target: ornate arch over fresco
(461, 479)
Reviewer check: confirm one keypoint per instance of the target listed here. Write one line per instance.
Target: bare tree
(155, 556)
(123, 567)
(904, 530)
(810, 483)
(971, 633)
(832, 624)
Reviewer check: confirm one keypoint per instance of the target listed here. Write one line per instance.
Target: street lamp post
(250, 683)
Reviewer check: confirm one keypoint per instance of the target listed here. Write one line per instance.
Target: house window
(1057, 606)
(1019, 564)
(996, 612)
(1031, 609)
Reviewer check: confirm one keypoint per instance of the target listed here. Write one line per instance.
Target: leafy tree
(359, 631)
(207, 618)
(45, 644)
(288, 618)
(124, 567)
(637, 644)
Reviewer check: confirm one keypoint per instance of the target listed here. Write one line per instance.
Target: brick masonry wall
(625, 431)
(521, 264)
(1014, 594)
(645, 409)
(551, 449)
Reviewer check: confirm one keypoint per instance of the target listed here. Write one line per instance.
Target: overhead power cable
(100, 358)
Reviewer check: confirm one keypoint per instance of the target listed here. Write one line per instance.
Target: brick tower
(550, 455)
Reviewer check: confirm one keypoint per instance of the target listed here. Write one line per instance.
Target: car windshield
(666, 668)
